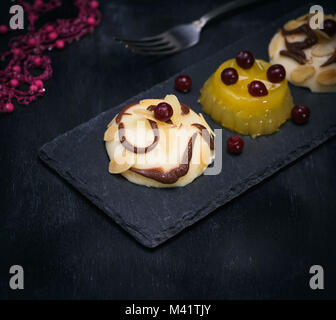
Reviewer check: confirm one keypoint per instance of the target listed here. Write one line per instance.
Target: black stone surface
(260, 245)
(152, 215)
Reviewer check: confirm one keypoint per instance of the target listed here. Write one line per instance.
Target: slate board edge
(188, 219)
(193, 216)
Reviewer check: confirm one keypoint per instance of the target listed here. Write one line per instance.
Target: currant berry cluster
(27, 52)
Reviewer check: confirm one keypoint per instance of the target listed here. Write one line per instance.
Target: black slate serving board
(151, 215)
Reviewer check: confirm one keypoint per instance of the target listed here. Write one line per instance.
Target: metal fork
(180, 37)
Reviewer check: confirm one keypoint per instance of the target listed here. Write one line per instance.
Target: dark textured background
(260, 245)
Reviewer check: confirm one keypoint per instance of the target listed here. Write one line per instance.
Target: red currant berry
(16, 51)
(257, 89)
(276, 73)
(300, 114)
(16, 69)
(94, 4)
(32, 42)
(33, 88)
(163, 111)
(59, 44)
(49, 28)
(38, 3)
(14, 83)
(229, 76)
(183, 83)
(9, 107)
(37, 61)
(3, 29)
(235, 144)
(329, 27)
(53, 35)
(91, 21)
(39, 83)
(245, 59)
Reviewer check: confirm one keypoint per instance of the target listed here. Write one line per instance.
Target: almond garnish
(149, 102)
(205, 153)
(204, 123)
(327, 77)
(175, 104)
(292, 24)
(302, 73)
(145, 113)
(110, 133)
(322, 50)
(121, 160)
(111, 122)
(274, 45)
(115, 168)
(302, 18)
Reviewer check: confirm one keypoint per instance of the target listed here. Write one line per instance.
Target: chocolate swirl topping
(123, 111)
(208, 138)
(172, 175)
(131, 147)
(295, 49)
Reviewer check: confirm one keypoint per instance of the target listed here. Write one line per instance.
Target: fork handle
(235, 4)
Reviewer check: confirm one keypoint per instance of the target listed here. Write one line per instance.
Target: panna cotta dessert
(309, 56)
(248, 95)
(159, 143)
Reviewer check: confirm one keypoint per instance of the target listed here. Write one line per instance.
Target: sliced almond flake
(173, 101)
(303, 18)
(115, 167)
(327, 77)
(269, 85)
(322, 50)
(302, 73)
(274, 45)
(145, 113)
(110, 133)
(205, 124)
(205, 153)
(149, 115)
(122, 160)
(292, 24)
(149, 102)
(111, 122)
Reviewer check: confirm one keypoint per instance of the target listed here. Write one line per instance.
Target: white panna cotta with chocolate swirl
(309, 56)
(155, 151)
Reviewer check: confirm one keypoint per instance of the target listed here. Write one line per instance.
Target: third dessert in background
(248, 95)
(308, 55)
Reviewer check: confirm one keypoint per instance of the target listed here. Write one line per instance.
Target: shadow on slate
(151, 215)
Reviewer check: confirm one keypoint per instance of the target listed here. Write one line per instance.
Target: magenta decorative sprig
(28, 52)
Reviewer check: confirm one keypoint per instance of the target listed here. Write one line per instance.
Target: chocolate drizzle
(151, 107)
(172, 175)
(134, 149)
(123, 111)
(295, 49)
(331, 60)
(208, 137)
(184, 109)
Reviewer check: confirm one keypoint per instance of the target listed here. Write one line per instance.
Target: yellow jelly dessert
(256, 102)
